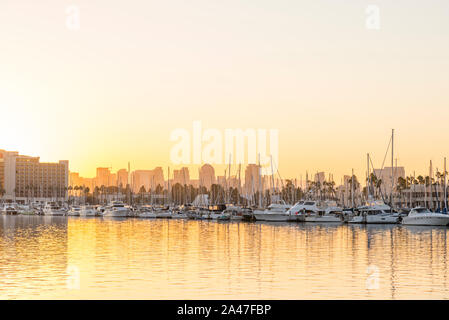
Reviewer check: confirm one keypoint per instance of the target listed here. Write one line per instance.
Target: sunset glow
(114, 90)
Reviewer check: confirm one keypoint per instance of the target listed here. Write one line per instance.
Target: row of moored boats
(375, 212)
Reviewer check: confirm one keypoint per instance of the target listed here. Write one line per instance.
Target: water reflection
(183, 259)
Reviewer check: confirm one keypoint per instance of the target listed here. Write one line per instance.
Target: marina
(239, 152)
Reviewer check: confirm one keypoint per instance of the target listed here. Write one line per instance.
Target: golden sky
(114, 90)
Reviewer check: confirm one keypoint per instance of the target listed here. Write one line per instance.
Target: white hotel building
(25, 178)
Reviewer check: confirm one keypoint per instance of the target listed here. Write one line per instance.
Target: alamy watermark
(73, 281)
(72, 21)
(372, 280)
(372, 21)
(228, 146)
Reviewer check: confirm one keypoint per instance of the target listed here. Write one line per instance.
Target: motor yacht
(275, 212)
(10, 209)
(234, 213)
(74, 211)
(88, 211)
(54, 209)
(26, 210)
(117, 209)
(424, 217)
(146, 212)
(248, 214)
(179, 215)
(180, 212)
(316, 211)
(214, 211)
(375, 212)
(162, 212)
(197, 214)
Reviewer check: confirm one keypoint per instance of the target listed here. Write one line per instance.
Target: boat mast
(430, 185)
(168, 186)
(228, 184)
(425, 194)
(445, 187)
(129, 183)
(392, 169)
(240, 184)
(368, 181)
(352, 188)
(259, 178)
(272, 176)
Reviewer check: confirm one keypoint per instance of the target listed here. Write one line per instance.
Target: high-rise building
(76, 181)
(228, 182)
(24, 177)
(141, 178)
(181, 176)
(103, 177)
(113, 179)
(385, 175)
(158, 177)
(149, 179)
(122, 178)
(221, 180)
(2, 174)
(207, 176)
(252, 178)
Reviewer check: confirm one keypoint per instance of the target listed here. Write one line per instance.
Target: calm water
(95, 258)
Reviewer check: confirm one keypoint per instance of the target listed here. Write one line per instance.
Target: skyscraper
(252, 178)
(181, 176)
(103, 177)
(122, 178)
(207, 176)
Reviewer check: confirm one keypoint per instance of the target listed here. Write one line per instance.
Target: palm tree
(96, 192)
(353, 185)
(103, 191)
(142, 192)
(76, 188)
(86, 193)
(70, 188)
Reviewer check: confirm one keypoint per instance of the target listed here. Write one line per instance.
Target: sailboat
(376, 211)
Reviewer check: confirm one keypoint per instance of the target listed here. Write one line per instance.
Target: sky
(114, 89)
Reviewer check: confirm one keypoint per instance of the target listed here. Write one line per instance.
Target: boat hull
(277, 217)
(116, 213)
(164, 215)
(179, 216)
(92, 213)
(55, 213)
(426, 221)
(10, 213)
(147, 215)
(323, 219)
(374, 219)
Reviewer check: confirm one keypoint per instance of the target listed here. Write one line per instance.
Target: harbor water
(100, 258)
